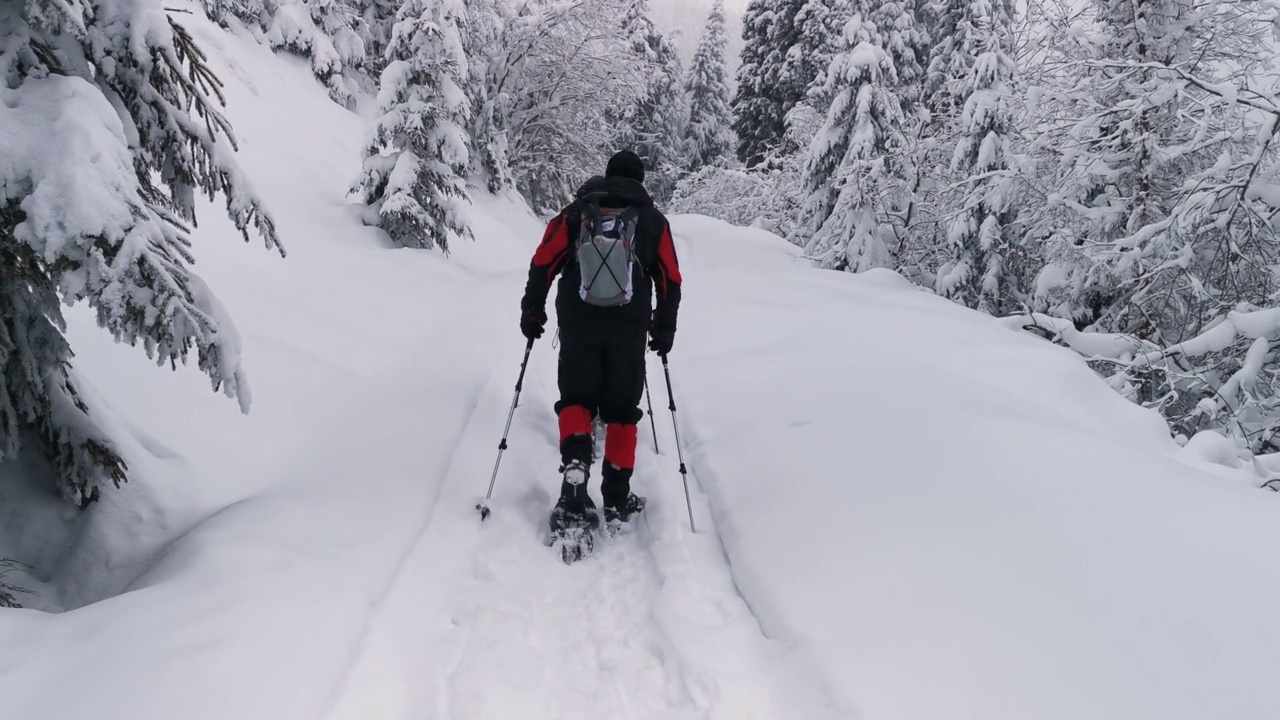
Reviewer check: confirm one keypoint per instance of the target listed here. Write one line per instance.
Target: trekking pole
(653, 425)
(483, 506)
(684, 474)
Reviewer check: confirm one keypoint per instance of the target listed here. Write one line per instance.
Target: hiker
(614, 253)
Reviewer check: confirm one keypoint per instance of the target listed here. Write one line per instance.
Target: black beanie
(626, 164)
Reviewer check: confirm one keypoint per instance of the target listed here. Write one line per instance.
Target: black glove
(532, 323)
(661, 338)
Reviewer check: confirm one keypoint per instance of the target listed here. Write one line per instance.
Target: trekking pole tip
(484, 511)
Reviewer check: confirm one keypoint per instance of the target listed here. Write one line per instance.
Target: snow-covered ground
(905, 510)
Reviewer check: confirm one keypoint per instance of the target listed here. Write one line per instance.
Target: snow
(906, 510)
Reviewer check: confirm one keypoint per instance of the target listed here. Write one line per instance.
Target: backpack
(606, 253)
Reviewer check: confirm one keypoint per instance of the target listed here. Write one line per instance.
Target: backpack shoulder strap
(586, 207)
(631, 214)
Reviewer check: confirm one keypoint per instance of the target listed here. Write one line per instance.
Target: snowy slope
(957, 520)
(905, 510)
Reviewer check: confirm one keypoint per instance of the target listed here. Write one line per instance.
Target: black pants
(604, 372)
(601, 373)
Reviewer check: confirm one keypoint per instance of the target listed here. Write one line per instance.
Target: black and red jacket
(656, 272)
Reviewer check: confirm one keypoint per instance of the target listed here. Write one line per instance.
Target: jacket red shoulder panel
(555, 243)
(668, 265)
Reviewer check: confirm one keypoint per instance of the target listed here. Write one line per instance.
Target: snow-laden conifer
(708, 135)
(983, 255)
(849, 168)
(416, 159)
(112, 131)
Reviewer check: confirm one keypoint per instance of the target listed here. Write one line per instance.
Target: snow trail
(484, 621)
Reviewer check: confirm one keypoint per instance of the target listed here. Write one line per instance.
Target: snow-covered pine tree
(417, 156)
(789, 44)
(779, 71)
(925, 246)
(780, 64)
(907, 43)
(652, 127)
(950, 58)
(851, 164)
(708, 135)
(819, 25)
(757, 115)
(984, 261)
(111, 125)
(220, 10)
(483, 46)
(1122, 119)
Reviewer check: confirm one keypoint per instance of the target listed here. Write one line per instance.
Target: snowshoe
(616, 517)
(574, 519)
(573, 524)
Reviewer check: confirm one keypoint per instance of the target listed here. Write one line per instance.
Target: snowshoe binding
(616, 518)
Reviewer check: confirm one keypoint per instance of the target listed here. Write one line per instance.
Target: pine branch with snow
(907, 43)
(321, 31)
(340, 38)
(112, 131)
(372, 22)
(8, 591)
